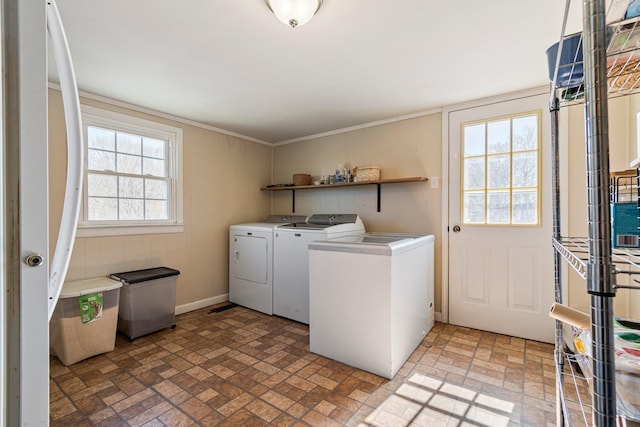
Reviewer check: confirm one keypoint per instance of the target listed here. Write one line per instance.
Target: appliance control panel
(332, 219)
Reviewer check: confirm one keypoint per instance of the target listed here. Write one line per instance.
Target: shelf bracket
(293, 201)
(378, 185)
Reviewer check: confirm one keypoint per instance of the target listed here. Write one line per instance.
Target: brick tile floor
(239, 367)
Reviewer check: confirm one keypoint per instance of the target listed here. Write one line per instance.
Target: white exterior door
(24, 351)
(500, 253)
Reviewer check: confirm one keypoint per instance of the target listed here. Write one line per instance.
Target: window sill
(120, 230)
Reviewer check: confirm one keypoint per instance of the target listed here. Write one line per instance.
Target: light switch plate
(434, 181)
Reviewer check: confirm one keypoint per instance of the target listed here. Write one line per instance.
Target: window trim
(93, 116)
(538, 150)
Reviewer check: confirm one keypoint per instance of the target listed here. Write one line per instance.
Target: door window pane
(498, 136)
(501, 171)
(498, 207)
(525, 207)
(474, 208)
(525, 133)
(525, 169)
(474, 173)
(474, 140)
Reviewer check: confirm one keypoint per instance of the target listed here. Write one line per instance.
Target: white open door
(31, 281)
(3, 258)
(24, 312)
(500, 253)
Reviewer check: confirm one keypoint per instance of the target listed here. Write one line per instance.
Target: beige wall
(634, 154)
(222, 177)
(223, 174)
(401, 149)
(622, 150)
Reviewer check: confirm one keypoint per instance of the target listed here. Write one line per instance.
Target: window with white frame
(132, 178)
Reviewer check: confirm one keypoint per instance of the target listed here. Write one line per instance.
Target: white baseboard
(185, 308)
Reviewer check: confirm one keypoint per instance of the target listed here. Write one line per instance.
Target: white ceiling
(231, 64)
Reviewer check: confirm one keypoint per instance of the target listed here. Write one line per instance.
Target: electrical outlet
(434, 181)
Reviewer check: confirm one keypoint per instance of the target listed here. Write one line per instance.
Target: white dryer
(251, 262)
(291, 259)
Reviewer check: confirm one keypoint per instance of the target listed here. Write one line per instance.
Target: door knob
(456, 228)
(34, 260)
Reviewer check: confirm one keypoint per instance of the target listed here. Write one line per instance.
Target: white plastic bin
(84, 321)
(147, 300)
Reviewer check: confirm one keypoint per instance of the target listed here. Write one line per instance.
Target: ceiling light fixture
(294, 12)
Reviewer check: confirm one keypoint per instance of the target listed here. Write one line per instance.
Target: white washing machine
(291, 259)
(251, 262)
(371, 299)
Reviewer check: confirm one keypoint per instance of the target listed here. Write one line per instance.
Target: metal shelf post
(600, 283)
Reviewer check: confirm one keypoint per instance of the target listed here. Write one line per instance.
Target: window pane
(525, 169)
(131, 209)
(156, 209)
(131, 173)
(131, 144)
(152, 147)
(525, 133)
(131, 187)
(474, 140)
(498, 207)
(101, 138)
(499, 171)
(101, 209)
(498, 136)
(154, 167)
(101, 160)
(473, 208)
(102, 185)
(474, 174)
(525, 207)
(129, 164)
(155, 189)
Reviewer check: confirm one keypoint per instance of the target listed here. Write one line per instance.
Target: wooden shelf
(378, 183)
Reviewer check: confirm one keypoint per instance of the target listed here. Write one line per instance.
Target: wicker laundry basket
(301, 179)
(368, 173)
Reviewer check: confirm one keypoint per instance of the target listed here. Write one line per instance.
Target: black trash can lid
(137, 276)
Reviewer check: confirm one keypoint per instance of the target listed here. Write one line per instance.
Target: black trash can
(147, 300)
